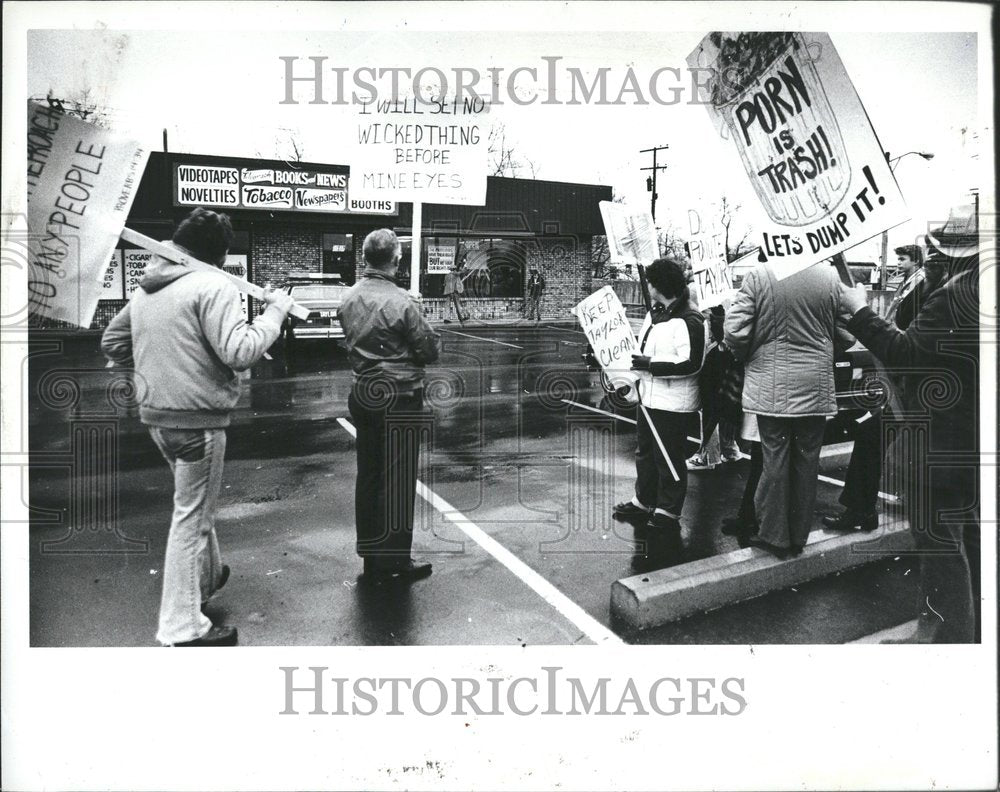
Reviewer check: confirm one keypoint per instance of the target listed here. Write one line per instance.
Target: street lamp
(927, 155)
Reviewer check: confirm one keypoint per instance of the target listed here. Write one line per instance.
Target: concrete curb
(644, 601)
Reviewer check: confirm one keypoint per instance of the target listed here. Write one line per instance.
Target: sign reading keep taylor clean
(422, 151)
(803, 138)
(269, 188)
(81, 183)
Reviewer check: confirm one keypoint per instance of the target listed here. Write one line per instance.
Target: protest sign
(787, 105)
(631, 234)
(81, 183)
(419, 150)
(603, 320)
(712, 283)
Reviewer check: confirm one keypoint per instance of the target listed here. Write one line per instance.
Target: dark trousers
(390, 428)
(786, 495)
(944, 523)
(747, 512)
(654, 484)
(864, 471)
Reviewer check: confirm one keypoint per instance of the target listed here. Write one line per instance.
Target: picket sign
(179, 257)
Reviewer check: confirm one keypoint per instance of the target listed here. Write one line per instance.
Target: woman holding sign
(671, 353)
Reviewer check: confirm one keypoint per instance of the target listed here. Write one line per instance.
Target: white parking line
(564, 329)
(480, 338)
(586, 623)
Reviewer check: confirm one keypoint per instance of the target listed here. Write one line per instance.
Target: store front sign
(267, 189)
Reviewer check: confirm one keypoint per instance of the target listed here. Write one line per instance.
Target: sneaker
(217, 636)
(731, 456)
(698, 462)
(627, 510)
(851, 520)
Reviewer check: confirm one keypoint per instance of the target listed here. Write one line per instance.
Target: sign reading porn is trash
(81, 183)
(787, 105)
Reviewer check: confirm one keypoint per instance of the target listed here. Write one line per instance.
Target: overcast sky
(219, 92)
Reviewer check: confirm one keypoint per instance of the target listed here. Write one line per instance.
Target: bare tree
(504, 158)
(727, 211)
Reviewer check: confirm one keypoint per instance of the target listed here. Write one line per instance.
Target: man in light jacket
(784, 331)
(186, 335)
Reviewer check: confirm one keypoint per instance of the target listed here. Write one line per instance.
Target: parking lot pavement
(518, 483)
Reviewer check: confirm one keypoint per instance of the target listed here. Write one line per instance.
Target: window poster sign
(440, 257)
(114, 283)
(787, 106)
(136, 261)
(236, 264)
(284, 189)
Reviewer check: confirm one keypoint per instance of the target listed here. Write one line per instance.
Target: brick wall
(565, 264)
(274, 253)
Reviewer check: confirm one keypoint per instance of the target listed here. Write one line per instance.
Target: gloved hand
(640, 362)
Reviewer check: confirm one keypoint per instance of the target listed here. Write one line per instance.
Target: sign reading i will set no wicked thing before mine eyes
(804, 140)
(420, 150)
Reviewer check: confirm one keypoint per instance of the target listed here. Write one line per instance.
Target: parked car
(323, 296)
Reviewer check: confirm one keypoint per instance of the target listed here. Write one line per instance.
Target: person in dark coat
(939, 355)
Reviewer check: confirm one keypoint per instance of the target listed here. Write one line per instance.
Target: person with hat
(939, 354)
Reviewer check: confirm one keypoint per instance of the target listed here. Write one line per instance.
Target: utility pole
(651, 180)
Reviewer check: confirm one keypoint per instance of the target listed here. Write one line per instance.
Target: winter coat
(939, 355)
(675, 345)
(784, 331)
(186, 334)
(385, 332)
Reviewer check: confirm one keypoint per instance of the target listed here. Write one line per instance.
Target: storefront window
(491, 268)
(338, 256)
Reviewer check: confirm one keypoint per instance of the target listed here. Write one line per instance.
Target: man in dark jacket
(388, 343)
(939, 355)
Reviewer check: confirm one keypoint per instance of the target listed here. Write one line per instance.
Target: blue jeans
(193, 565)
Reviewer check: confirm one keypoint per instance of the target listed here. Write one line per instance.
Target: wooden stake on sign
(178, 257)
(415, 249)
(840, 263)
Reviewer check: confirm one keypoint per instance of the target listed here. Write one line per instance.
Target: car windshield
(318, 292)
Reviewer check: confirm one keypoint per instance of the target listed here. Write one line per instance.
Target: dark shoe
(407, 572)
(852, 520)
(217, 636)
(466, 318)
(629, 511)
(782, 553)
(737, 526)
(661, 546)
(447, 321)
